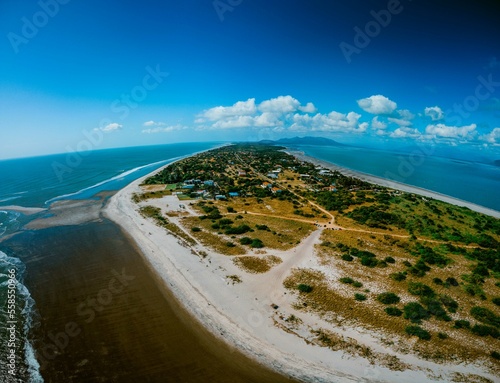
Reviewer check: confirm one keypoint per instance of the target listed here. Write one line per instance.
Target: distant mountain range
(317, 141)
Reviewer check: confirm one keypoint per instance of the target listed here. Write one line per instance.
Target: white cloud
(406, 114)
(377, 104)
(281, 104)
(241, 108)
(331, 122)
(308, 108)
(405, 132)
(492, 138)
(235, 122)
(399, 121)
(164, 129)
(377, 125)
(434, 112)
(112, 127)
(149, 123)
(444, 131)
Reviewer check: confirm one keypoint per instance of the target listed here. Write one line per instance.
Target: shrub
(360, 297)
(420, 289)
(346, 280)
(452, 281)
(442, 335)
(230, 209)
(462, 324)
(415, 312)
(304, 288)
(434, 307)
(449, 303)
(495, 355)
(238, 229)
(437, 281)
(257, 243)
(347, 257)
(195, 229)
(225, 222)
(230, 244)
(482, 330)
(496, 301)
(262, 227)
(418, 331)
(398, 276)
(389, 260)
(369, 261)
(485, 315)
(393, 311)
(357, 284)
(246, 241)
(388, 298)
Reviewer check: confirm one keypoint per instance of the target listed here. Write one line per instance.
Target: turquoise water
(37, 182)
(474, 182)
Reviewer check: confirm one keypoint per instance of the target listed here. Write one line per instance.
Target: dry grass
(253, 264)
(282, 234)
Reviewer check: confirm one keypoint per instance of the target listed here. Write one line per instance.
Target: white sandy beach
(241, 314)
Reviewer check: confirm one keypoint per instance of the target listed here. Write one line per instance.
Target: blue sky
(124, 73)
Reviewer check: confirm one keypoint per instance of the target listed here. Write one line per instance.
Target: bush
(398, 276)
(360, 297)
(449, 303)
(442, 335)
(418, 331)
(230, 209)
(262, 227)
(388, 298)
(434, 307)
(390, 260)
(246, 241)
(495, 355)
(347, 257)
(415, 312)
(304, 288)
(393, 311)
(225, 222)
(462, 324)
(346, 280)
(369, 261)
(485, 315)
(420, 289)
(257, 243)
(230, 244)
(496, 301)
(195, 229)
(482, 330)
(357, 284)
(438, 281)
(451, 281)
(242, 229)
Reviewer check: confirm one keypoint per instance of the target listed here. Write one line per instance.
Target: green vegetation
(393, 311)
(388, 298)
(415, 312)
(418, 331)
(304, 288)
(360, 297)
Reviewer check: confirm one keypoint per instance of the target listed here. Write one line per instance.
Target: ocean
(471, 181)
(37, 182)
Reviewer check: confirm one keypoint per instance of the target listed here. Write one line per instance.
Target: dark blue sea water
(470, 181)
(39, 181)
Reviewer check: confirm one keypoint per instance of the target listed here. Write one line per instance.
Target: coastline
(394, 184)
(241, 316)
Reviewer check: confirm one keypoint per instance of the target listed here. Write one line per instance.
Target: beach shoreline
(394, 184)
(227, 311)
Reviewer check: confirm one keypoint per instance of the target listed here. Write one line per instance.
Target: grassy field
(356, 295)
(254, 264)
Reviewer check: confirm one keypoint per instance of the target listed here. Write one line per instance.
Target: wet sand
(104, 318)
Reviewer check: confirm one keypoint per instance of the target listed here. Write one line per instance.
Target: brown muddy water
(104, 318)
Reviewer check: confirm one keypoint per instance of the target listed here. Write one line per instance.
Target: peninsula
(320, 275)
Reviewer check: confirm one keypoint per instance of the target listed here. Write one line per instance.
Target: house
(242, 173)
(272, 175)
(276, 190)
(331, 188)
(220, 196)
(234, 194)
(304, 176)
(266, 185)
(208, 183)
(188, 186)
(324, 172)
